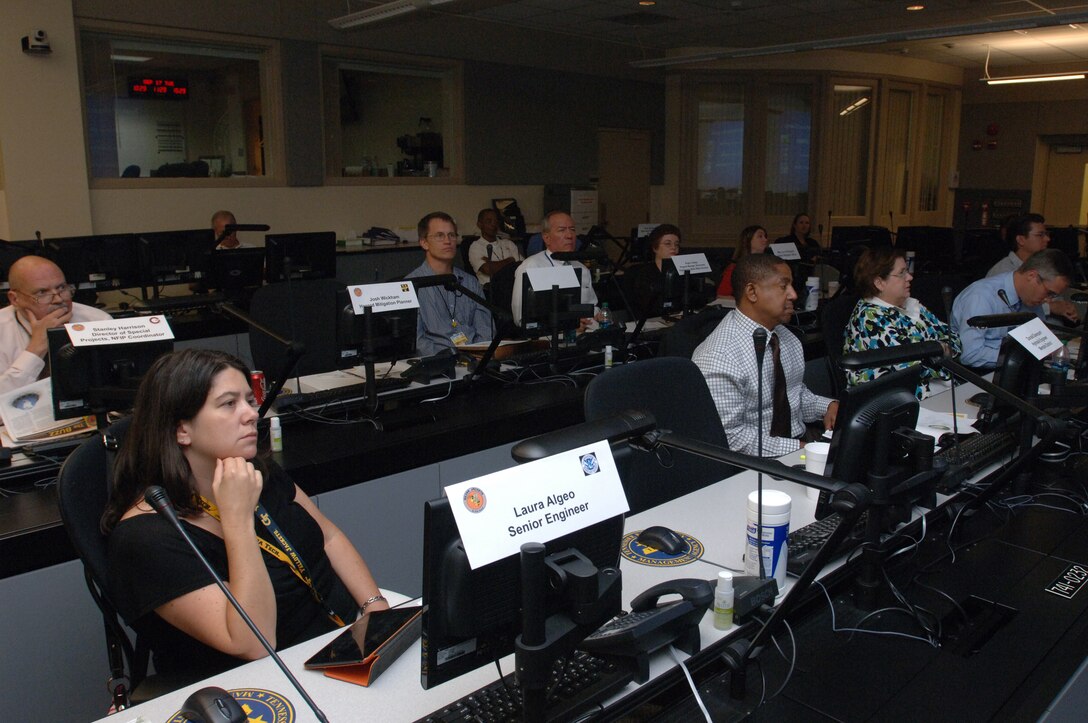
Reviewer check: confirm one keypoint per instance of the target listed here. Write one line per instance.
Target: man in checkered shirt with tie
(727, 358)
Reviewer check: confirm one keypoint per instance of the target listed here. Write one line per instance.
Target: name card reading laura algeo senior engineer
(536, 502)
(120, 331)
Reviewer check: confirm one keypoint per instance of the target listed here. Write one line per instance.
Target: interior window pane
(932, 152)
(849, 152)
(171, 109)
(789, 138)
(721, 151)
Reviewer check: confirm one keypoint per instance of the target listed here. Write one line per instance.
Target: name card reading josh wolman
(119, 331)
(536, 502)
(1036, 338)
(383, 297)
(786, 251)
(692, 263)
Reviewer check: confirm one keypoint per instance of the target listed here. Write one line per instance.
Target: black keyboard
(178, 304)
(325, 397)
(970, 456)
(578, 683)
(803, 543)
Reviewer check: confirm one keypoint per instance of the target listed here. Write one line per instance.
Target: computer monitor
(232, 270)
(97, 263)
(174, 257)
(682, 292)
(845, 237)
(392, 333)
(10, 252)
(97, 379)
(544, 311)
(471, 617)
(1018, 372)
(300, 256)
(867, 413)
(932, 245)
(1066, 239)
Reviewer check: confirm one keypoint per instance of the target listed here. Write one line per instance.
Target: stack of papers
(28, 415)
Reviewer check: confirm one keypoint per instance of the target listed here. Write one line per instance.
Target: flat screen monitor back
(537, 307)
(174, 257)
(10, 252)
(300, 256)
(845, 237)
(393, 333)
(234, 269)
(98, 263)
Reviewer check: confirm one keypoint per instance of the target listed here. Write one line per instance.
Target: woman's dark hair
(875, 264)
(662, 231)
(172, 391)
(744, 246)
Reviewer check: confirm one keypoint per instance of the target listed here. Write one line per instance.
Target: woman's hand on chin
(237, 488)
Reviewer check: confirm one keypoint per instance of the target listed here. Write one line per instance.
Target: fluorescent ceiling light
(1043, 78)
(129, 58)
(854, 106)
(382, 12)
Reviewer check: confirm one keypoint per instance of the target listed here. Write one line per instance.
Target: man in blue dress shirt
(447, 319)
(1039, 279)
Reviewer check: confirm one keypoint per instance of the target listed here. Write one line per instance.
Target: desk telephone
(651, 626)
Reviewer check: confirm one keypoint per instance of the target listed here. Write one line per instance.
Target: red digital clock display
(163, 88)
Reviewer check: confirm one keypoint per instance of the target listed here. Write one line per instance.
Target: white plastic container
(276, 434)
(723, 601)
(776, 528)
(812, 300)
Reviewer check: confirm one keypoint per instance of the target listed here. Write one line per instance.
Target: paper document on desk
(28, 415)
(937, 423)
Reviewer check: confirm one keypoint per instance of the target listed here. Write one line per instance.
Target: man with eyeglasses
(1030, 236)
(1041, 278)
(560, 236)
(40, 299)
(447, 319)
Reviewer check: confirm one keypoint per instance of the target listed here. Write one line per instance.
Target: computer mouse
(212, 705)
(664, 539)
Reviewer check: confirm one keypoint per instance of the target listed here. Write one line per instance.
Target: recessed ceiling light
(647, 3)
(915, 8)
(129, 58)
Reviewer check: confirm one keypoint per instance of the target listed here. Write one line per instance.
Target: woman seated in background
(753, 240)
(646, 281)
(194, 432)
(886, 315)
(800, 234)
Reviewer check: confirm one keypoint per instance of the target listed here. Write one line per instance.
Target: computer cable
(792, 660)
(891, 633)
(449, 390)
(691, 684)
(915, 581)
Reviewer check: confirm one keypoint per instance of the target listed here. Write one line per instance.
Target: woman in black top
(801, 234)
(194, 432)
(646, 282)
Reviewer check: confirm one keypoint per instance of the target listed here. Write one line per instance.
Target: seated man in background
(447, 319)
(559, 234)
(40, 299)
(220, 220)
(1039, 279)
(490, 253)
(763, 288)
(1029, 236)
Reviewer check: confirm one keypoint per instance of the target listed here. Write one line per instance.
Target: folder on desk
(362, 652)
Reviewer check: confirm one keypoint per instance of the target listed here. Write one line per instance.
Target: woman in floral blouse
(886, 315)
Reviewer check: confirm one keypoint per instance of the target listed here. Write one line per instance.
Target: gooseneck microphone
(759, 340)
(160, 502)
(490, 250)
(946, 299)
(1005, 297)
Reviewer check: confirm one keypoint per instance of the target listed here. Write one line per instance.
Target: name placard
(692, 263)
(119, 331)
(549, 276)
(536, 502)
(1036, 338)
(645, 229)
(383, 297)
(786, 251)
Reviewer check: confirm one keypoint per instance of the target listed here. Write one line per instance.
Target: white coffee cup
(815, 461)
(832, 288)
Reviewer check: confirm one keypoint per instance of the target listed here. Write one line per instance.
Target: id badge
(458, 338)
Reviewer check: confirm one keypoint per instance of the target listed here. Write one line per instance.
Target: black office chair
(83, 487)
(674, 391)
(303, 311)
(686, 335)
(466, 243)
(834, 317)
(501, 291)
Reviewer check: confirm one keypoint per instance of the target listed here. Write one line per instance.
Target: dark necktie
(780, 420)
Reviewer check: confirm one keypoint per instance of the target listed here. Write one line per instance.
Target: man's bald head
(32, 276)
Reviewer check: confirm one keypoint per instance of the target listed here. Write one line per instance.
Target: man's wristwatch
(377, 598)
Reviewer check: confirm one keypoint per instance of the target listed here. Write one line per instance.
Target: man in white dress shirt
(559, 234)
(40, 299)
(491, 252)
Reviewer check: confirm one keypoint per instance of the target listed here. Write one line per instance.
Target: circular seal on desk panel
(260, 706)
(634, 551)
(475, 500)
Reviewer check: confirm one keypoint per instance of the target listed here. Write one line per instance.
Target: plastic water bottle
(723, 601)
(276, 434)
(606, 316)
(1059, 366)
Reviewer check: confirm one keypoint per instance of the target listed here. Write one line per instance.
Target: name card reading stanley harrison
(119, 331)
